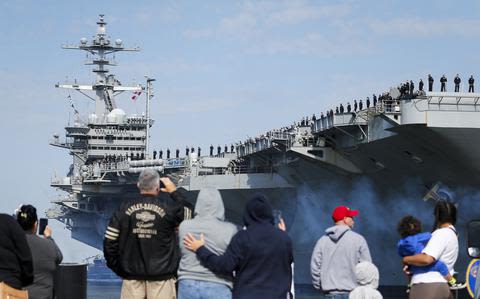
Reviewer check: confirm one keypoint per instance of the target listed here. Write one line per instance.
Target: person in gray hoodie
(336, 254)
(367, 279)
(196, 281)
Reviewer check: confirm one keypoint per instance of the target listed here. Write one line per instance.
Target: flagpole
(147, 112)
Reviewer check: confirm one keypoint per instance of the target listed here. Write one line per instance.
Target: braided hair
(27, 216)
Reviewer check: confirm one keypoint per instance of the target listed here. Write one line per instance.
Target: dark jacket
(261, 256)
(16, 266)
(141, 241)
(46, 257)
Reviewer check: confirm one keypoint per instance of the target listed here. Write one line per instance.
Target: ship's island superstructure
(423, 136)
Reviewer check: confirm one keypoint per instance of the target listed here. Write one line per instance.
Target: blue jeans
(198, 289)
(337, 296)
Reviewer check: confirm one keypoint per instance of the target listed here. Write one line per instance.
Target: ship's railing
(306, 141)
(337, 120)
(389, 107)
(122, 165)
(234, 170)
(116, 120)
(453, 101)
(268, 141)
(64, 144)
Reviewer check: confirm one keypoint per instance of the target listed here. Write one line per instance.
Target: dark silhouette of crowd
(28, 261)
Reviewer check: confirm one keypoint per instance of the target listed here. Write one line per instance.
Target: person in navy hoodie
(260, 255)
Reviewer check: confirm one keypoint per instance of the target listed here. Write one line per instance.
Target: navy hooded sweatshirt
(261, 255)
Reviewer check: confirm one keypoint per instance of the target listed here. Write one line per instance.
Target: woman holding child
(442, 246)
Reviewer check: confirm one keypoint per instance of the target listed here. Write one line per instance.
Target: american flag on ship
(136, 94)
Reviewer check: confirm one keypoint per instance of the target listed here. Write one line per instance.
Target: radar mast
(106, 85)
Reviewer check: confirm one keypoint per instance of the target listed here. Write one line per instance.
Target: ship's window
(125, 148)
(138, 138)
(74, 205)
(119, 138)
(94, 147)
(107, 148)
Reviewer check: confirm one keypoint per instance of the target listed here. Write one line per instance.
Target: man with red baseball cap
(336, 254)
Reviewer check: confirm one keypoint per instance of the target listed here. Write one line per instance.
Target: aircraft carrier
(380, 159)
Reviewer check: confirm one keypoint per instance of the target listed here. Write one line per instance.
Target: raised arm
(182, 210)
(58, 252)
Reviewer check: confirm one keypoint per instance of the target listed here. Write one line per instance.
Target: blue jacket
(261, 256)
(414, 244)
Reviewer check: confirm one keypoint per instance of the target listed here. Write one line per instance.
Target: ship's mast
(106, 86)
(147, 112)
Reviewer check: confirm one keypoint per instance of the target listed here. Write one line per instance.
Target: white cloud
(167, 12)
(419, 27)
(313, 43)
(298, 13)
(241, 25)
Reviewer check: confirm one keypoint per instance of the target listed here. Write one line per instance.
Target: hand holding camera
(166, 185)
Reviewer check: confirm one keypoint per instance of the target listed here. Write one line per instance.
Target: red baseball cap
(341, 212)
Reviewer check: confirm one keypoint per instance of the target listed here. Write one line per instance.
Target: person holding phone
(141, 244)
(45, 253)
(260, 255)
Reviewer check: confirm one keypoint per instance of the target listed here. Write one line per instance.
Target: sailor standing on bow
(457, 82)
(430, 82)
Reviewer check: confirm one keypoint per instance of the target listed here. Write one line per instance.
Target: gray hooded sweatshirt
(367, 279)
(334, 259)
(209, 220)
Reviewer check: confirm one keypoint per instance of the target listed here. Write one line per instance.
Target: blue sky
(225, 70)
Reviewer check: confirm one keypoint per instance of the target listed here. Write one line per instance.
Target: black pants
(470, 88)
(430, 86)
(457, 87)
(443, 88)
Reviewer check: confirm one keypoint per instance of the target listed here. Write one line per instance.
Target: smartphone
(162, 185)
(277, 216)
(42, 224)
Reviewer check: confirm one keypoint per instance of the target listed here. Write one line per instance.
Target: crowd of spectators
(153, 243)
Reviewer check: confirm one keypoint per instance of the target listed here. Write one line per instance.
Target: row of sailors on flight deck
(192, 150)
(406, 88)
(443, 83)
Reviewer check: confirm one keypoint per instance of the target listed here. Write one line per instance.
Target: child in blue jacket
(413, 241)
